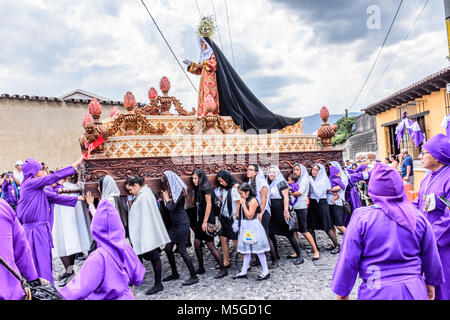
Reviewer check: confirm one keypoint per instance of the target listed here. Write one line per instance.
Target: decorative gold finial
(207, 26)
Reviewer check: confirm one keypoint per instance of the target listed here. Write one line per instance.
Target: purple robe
(438, 183)
(352, 195)
(373, 245)
(108, 271)
(391, 245)
(14, 249)
(54, 197)
(10, 193)
(33, 212)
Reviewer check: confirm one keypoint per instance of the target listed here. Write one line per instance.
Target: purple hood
(439, 147)
(387, 191)
(30, 168)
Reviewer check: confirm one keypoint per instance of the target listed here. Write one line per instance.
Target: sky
(295, 55)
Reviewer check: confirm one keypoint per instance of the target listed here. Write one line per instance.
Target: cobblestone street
(308, 281)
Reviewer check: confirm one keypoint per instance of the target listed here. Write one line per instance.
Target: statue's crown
(206, 27)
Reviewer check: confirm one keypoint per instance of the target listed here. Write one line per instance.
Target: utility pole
(447, 22)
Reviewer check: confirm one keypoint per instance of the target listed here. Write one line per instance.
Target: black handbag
(34, 290)
(347, 207)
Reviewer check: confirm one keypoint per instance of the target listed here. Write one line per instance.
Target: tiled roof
(60, 100)
(423, 87)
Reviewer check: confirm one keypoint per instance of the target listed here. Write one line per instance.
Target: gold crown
(206, 27)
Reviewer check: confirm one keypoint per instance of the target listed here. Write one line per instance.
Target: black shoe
(200, 271)
(336, 250)
(238, 276)
(274, 265)
(291, 257)
(330, 248)
(314, 259)
(66, 279)
(154, 289)
(299, 260)
(190, 281)
(81, 257)
(222, 273)
(61, 276)
(171, 277)
(261, 277)
(225, 266)
(189, 244)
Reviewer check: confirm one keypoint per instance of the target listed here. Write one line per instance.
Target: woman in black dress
(174, 194)
(204, 198)
(318, 210)
(230, 200)
(279, 208)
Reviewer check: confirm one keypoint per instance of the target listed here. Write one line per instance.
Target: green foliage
(346, 129)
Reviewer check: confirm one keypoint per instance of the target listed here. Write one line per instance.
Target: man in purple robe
(390, 244)
(351, 193)
(108, 271)
(54, 197)
(34, 209)
(16, 252)
(435, 157)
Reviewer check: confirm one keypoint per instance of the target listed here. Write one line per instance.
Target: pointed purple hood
(439, 147)
(387, 191)
(107, 230)
(30, 168)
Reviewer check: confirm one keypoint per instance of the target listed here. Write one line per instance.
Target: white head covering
(204, 54)
(304, 175)
(176, 184)
(278, 178)
(344, 175)
(109, 188)
(321, 184)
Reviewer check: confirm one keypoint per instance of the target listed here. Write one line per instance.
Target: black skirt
(227, 228)
(319, 215)
(336, 213)
(278, 225)
(199, 233)
(179, 222)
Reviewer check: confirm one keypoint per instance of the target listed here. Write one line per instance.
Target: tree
(346, 129)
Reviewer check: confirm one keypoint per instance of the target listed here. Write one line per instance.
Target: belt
(36, 224)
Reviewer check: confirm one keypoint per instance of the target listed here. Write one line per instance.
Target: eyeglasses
(250, 169)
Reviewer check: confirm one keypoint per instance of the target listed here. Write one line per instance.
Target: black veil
(236, 99)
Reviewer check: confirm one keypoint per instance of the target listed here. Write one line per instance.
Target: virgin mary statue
(232, 97)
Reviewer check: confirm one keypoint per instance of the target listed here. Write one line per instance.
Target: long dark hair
(203, 187)
(229, 179)
(132, 180)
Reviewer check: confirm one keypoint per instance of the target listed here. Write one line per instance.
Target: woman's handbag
(35, 290)
(293, 221)
(347, 207)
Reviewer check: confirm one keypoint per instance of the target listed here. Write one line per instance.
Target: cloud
(296, 56)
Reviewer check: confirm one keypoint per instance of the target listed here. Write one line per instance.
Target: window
(407, 142)
(447, 101)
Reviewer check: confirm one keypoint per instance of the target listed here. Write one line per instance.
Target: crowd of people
(406, 243)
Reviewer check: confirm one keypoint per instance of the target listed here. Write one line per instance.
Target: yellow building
(426, 101)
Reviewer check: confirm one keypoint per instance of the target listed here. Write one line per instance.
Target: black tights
(154, 257)
(330, 234)
(212, 248)
(184, 254)
(68, 263)
(292, 241)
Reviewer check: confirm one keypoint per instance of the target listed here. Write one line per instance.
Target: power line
(198, 8)
(169, 47)
(376, 60)
(218, 29)
(404, 38)
(229, 33)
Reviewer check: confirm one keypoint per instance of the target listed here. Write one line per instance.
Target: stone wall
(363, 140)
(44, 130)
